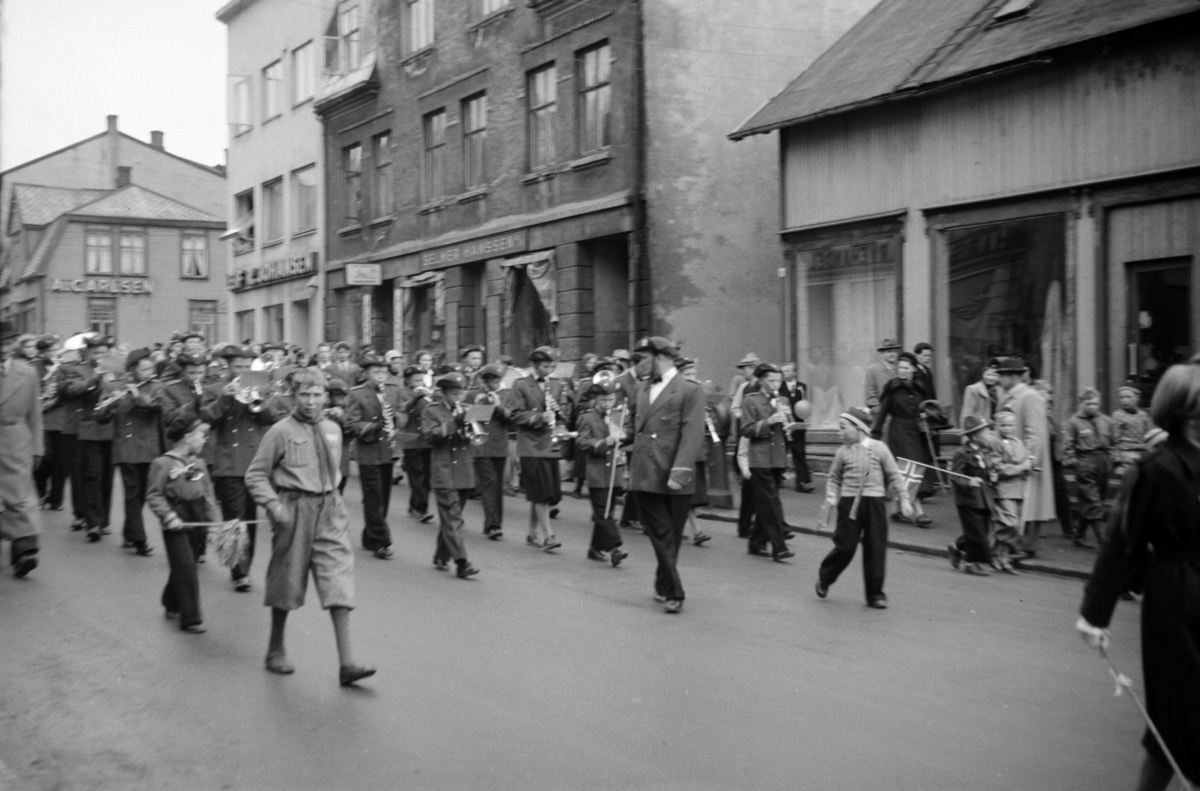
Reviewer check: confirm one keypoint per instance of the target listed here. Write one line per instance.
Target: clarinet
(711, 425)
(389, 417)
(552, 405)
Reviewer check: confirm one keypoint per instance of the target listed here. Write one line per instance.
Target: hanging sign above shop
(476, 250)
(273, 271)
(364, 275)
(103, 285)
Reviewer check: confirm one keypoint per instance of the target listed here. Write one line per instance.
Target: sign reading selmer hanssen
(475, 250)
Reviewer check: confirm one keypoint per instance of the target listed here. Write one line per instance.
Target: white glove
(1092, 635)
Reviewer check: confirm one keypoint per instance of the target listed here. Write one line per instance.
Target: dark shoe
(700, 539)
(924, 521)
(194, 628)
(552, 543)
(617, 556)
(277, 663)
(578, 494)
(127, 544)
(1082, 543)
(779, 557)
(879, 603)
(759, 552)
(142, 549)
(955, 556)
(426, 518)
(976, 569)
(93, 534)
(105, 530)
(658, 597)
(496, 535)
(348, 674)
(673, 607)
(383, 553)
(466, 570)
(171, 615)
(805, 488)
(901, 518)
(822, 590)
(441, 565)
(633, 524)
(593, 554)
(55, 507)
(78, 524)
(554, 513)
(201, 559)
(26, 563)
(242, 584)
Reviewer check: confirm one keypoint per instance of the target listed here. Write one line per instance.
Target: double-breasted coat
(177, 395)
(236, 431)
(84, 386)
(529, 404)
(768, 446)
(20, 441)
(137, 425)
(668, 436)
(364, 418)
(413, 404)
(451, 465)
(1033, 427)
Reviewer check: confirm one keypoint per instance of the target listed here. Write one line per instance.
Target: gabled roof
(216, 170)
(132, 202)
(41, 253)
(40, 205)
(903, 46)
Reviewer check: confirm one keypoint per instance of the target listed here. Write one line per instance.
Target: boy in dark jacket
(600, 446)
(974, 498)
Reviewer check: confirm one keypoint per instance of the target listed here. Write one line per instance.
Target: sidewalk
(1056, 555)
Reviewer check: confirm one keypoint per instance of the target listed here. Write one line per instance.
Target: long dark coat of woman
(1153, 547)
(900, 401)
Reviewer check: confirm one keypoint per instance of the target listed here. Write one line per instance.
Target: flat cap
(542, 354)
(749, 359)
(657, 345)
(447, 381)
(762, 369)
(490, 370)
(231, 350)
(1011, 365)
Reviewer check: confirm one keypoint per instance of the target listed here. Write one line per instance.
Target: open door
(1158, 319)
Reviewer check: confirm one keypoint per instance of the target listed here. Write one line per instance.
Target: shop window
(98, 256)
(1006, 297)
(304, 199)
(848, 302)
(474, 121)
(303, 73)
(273, 211)
(272, 82)
(352, 170)
(244, 322)
(595, 99)
(102, 315)
(543, 108)
(434, 169)
(382, 149)
(202, 318)
(273, 316)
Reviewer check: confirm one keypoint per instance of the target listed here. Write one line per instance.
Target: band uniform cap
(392, 354)
(762, 369)
(337, 386)
(134, 357)
(470, 349)
(1011, 365)
(191, 359)
(411, 370)
(684, 362)
(371, 359)
(859, 417)
(451, 380)
(622, 354)
(231, 350)
(749, 359)
(46, 341)
(490, 370)
(176, 337)
(93, 341)
(657, 345)
(183, 336)
(340, 346)
(888, 344)
(542, 354)
(974, 423)
(597, 390)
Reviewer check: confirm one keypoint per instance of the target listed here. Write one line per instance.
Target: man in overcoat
(374, 415)
(1034, 430)
(452, 474)
(878, 374)
(667, 423)
(20, 449)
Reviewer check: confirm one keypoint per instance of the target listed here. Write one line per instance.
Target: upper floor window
(543, 106)
(418, 24)
(243, 240)
(303, 73)
(304, 199)
(474, 126)
(272, 199)
(434, 170)
(595, 99)
(382, 156)
(486, 7)
(239, 106)
(194, 262)
(272, 82)
(350, 35)
(352, 168)
(97, 256)
(133, 251)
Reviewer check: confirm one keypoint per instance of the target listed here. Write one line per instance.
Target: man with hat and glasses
(237, 431)
(86, 383)
(880, 373)
(667, 423)
(539, 402)
(20, 450)
(1032, 427)
(452, 472)
(374, 415)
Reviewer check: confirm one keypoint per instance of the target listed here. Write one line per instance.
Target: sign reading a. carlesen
(273, 271)
(103, 285)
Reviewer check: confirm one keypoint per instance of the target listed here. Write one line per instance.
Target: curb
(1039, 566)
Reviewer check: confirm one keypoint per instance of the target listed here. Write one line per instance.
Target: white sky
(158, 64)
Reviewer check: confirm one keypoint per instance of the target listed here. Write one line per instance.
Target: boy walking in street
(294, 476)
(1087, 445)
(601, 446)
(1013, 463)
(974, 498)
(452, 473)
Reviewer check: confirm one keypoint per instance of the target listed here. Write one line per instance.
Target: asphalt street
(555, 672)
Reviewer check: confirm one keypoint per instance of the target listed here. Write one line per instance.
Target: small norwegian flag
(913, 474)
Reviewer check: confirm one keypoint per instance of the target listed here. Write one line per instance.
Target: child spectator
(1013, 463)
(974, 497)
(1130, 425)
(1087, 446)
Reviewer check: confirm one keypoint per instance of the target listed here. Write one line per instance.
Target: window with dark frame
(273, 316)
(474, 121)
(98, 256)
(272, 81)
(195, 256)
(102, 315)
(352, 167)
(595, 98)
(543, 106)
(434, 170)
(304, 199)
(243, 241)
(381, 147)
(273, 210)
(132, 257)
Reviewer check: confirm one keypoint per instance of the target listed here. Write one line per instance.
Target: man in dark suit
(538, 403)
(341, 367)
(415, 451)
(451, 474)
(667, 424)
(489, 457)
(20, 449)
(374, 415)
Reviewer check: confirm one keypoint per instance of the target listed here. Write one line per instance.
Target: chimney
(112, 123)
(123, 174)
(156, 140)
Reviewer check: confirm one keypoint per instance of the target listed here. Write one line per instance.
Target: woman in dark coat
(1153, 546)
(901, 400)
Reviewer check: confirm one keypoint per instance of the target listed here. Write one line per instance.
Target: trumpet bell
(802, 410)
(604, 378)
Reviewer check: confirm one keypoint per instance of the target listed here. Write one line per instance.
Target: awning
(238, 228)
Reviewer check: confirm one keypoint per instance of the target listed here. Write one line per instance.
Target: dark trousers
(871, 527)
(1062, 500)
(182, 593)
(416, 467)
(376, 480)
(74, 471)
(664, 516)
(96, 460)
(236, 503)
(748, 520)
(768, 509)
(64, 456)
(629, 511)
(1091, 485)
(800, 457)
(489, 480)
(450, 543)
(606, 536)
(44, 474)
(134, 479)
(975, 541)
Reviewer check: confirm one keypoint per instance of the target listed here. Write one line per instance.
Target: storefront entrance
(1158, 319)
(530, 322)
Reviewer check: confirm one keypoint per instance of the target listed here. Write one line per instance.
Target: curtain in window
(435, 279)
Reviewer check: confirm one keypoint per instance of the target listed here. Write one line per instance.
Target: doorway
(1158, 319)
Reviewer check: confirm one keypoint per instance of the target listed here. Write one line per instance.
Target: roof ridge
(957, 38)
(131, 186)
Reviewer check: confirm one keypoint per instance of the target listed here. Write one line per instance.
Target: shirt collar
(668, 376)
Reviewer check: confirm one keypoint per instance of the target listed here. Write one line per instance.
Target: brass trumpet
(114, 397)
(473, 432)
(604, 378)
(251, 398)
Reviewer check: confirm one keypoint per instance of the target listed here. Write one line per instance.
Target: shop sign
(476, 250)
(103, 285)
(876, 251)
(364, 275)
(273, 271)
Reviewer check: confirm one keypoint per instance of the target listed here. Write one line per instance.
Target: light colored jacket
(287, 459)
